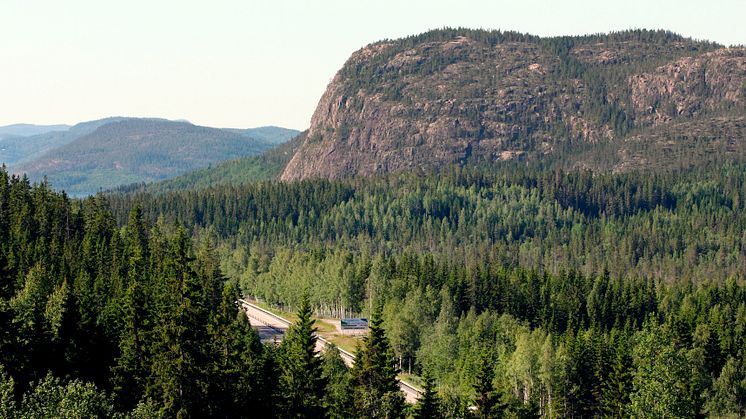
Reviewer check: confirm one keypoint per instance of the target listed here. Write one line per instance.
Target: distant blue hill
(108, 153)
(17, 149)
(25, 130)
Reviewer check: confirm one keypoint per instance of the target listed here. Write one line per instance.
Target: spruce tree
(487, 400)
(727, 396)
(237, 380)
(177, 379)
(428, 406)
(135, 245)
(130, 370)
(337, 377)
(374, 387)
(301, 387)
(617, 384)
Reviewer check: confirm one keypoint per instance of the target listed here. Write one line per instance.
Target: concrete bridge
(272, 327)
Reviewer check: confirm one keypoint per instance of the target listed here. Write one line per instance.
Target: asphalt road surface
(272, 327)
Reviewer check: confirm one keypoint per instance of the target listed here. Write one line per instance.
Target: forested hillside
(98, 320)
(265, 166)
(22, 149)
(674, 227)
(132, 150)
(574, 290)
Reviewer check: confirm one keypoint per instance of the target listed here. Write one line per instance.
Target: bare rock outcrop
(457, 96)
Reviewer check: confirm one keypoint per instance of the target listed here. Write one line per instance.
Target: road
(271, 327)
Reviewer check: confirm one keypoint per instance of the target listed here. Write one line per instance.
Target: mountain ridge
(25, 130)
(459, 96)
(265, 166)
(18, 150)
(107, 153)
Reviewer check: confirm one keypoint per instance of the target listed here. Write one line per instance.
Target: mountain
(265, 166)
(137, 150)
(460, 96)
(16, 150)
(269, 134)
(25, 130)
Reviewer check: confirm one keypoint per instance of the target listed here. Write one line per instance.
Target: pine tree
(374, 387)
(428, 406)
(130, 371)
(301, 386)
(177, 379)
(337, 377)
(237, 379)
(7, 396)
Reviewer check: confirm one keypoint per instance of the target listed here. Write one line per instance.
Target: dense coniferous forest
(676, 226)
(535, 292)
(515, 292)
(98, 319)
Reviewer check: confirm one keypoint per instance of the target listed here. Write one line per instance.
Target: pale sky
(230, 63)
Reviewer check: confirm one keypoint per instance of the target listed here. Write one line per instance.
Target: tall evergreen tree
(728, 395)
(375, 389)
(237, 379)
(130, 371)
(617, 384)
(487, 402)
(337, 377)
(136, 252)
(178, 362)
(428, 406)
(301, 385)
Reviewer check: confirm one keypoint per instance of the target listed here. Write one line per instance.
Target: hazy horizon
(238, 64)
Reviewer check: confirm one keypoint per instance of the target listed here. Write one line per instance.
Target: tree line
(111, 300)
(137, 320)
(670, 226)
(547, 287)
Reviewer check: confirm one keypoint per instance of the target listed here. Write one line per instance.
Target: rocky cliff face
(690, 86)
(458, 96)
